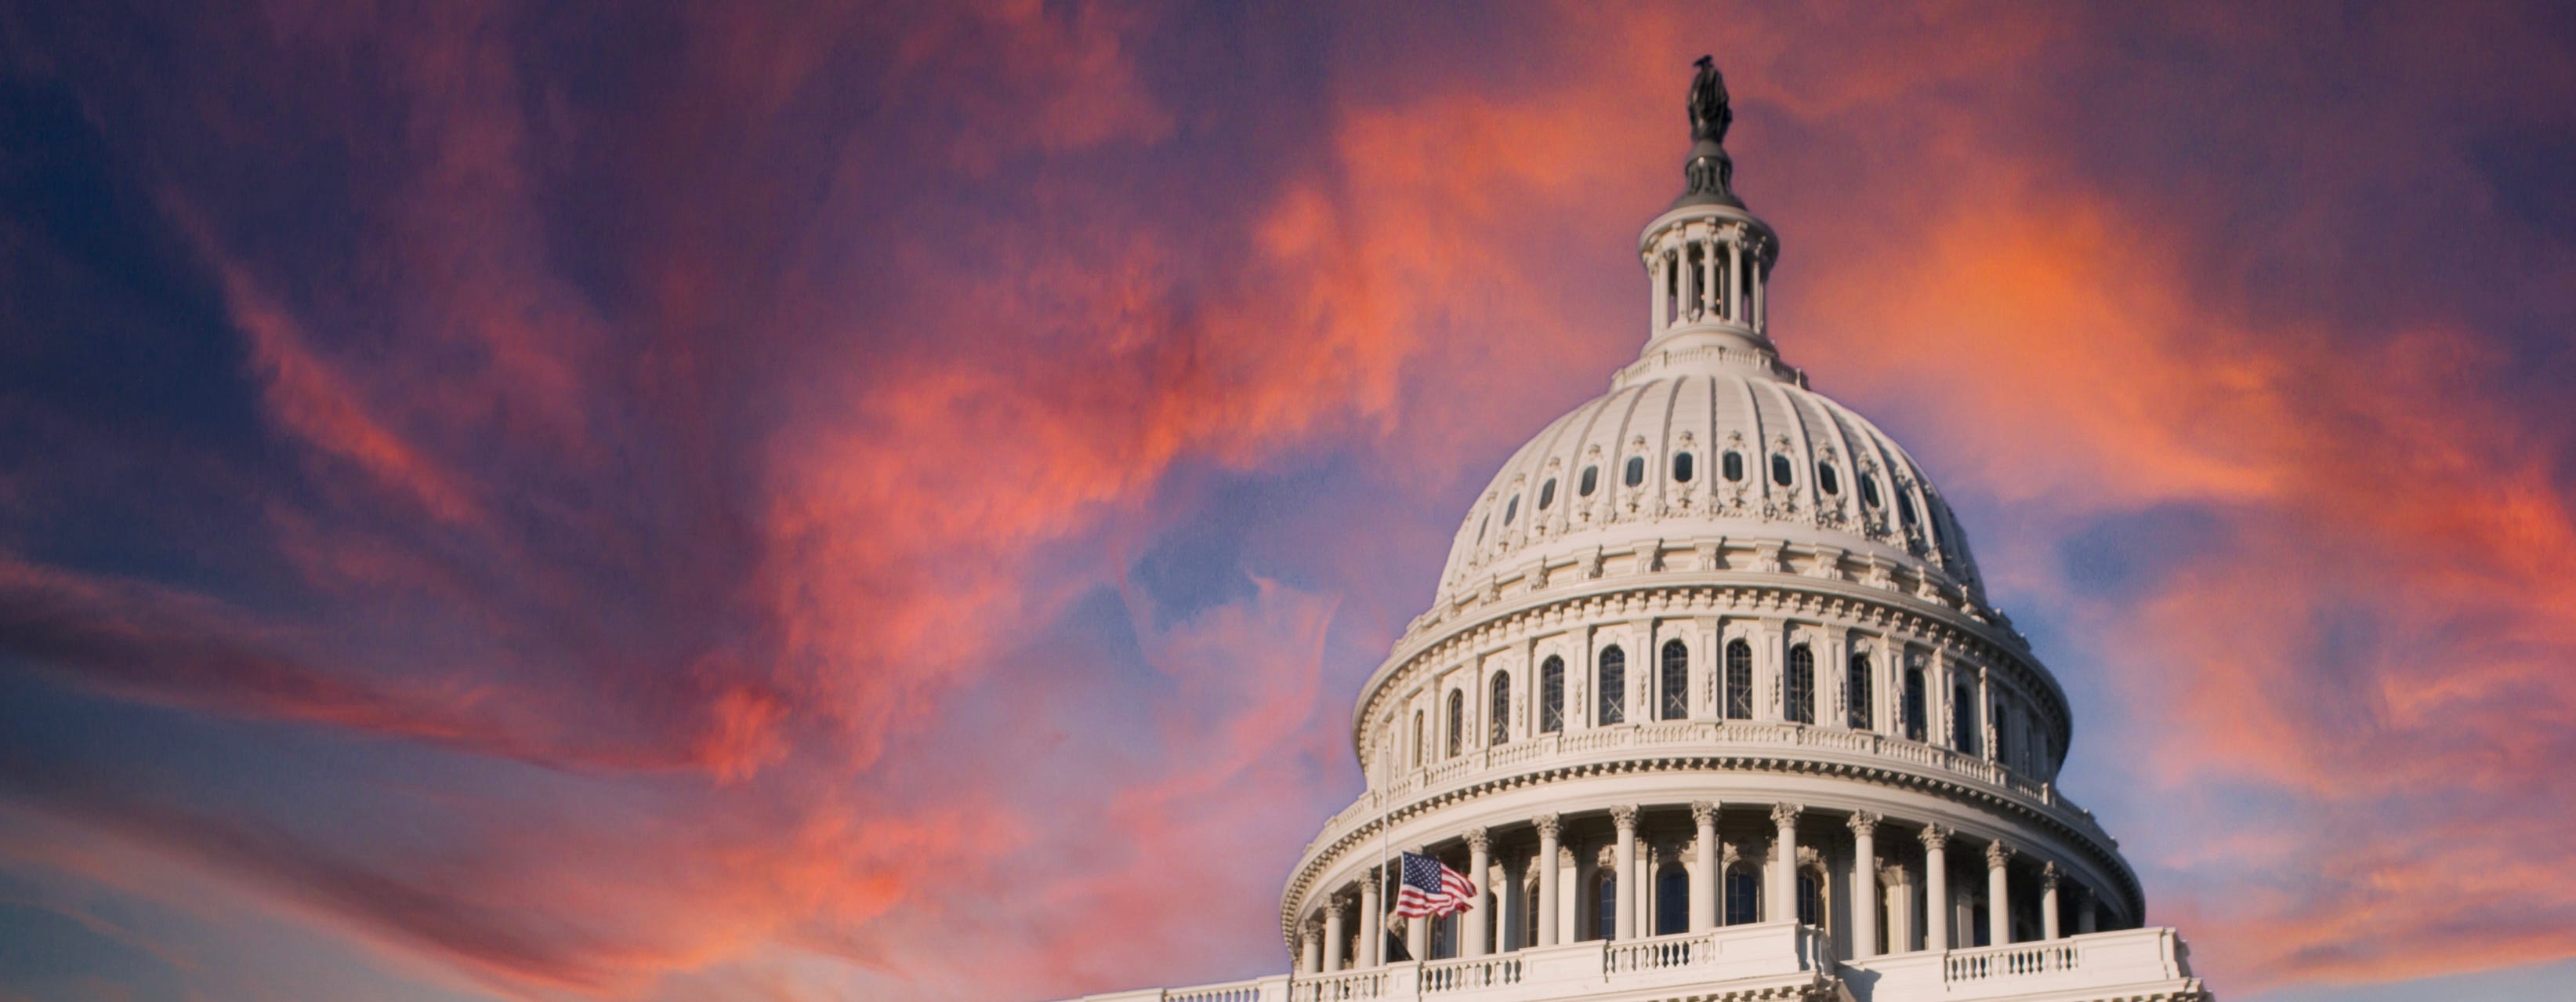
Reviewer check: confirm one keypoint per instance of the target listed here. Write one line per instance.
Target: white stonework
(1807, 671)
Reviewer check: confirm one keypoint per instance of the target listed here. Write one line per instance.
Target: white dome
(1807, 474)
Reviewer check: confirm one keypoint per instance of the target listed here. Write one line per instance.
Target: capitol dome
(1710, 705)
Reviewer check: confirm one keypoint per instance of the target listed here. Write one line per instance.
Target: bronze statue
(1709, 113)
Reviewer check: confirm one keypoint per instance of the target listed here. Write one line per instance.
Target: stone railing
(1663, 738)
(1751, 960)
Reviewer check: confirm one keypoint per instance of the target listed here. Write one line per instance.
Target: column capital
(2048, 875)
(1703, 813)
(1894, 875)
(1624, 815)
(1934, 837)
(1479, 839)
(1546, 824)
(1864, 822)
(1343, 898)
(1313, 927)
(1998, 852)
(1786, 815)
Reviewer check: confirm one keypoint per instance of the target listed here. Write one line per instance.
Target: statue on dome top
(1709, 110)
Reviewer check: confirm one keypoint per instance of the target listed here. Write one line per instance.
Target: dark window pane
(1743, 895)
(1551, 695)
(1869, 492)
(1739, 680)
(1733, 465)
(1675, 701)
(1682, 467)
(1636, 471)
(1591, 479)
(1547, 494)
(1500, 726)
(1511, 510)
(1780, 469)
(1801, 685)
(1857, 695)
(1457, 718)
(1827, 480)
(1672, 901)
(1613, 688)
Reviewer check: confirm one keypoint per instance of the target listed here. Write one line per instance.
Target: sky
(817, 502)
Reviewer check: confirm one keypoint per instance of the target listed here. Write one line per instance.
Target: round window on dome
(1781, 470)
(1511, 509)
(1869, 492)
(1827, 480)
(1591, 479)
(1682, 470)
(1732, 464)
(1636, 471)
(1547, 494)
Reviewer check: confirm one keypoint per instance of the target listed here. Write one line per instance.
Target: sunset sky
(803, 502)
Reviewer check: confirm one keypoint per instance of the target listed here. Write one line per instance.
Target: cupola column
(1310, 950)
(1547, 874)
(1784, 863)
(1623, 859)
(1864, 827)
(1999, 854)
(1936, 887)
(1704, 882)
(1372, 934)
(1471, 923)
(1734, 279)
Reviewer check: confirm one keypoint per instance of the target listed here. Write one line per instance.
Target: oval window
(1827, 480)
(1636, 470)
(1591, 479)
(1869, 492)
(1780, 469)
(1482, 526)
(1732, 464)
(1547, 494)
(1905, 507)
(1682, 467)
(1511, 508)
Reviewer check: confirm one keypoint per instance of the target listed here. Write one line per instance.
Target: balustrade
(1459, 975)
(2008, 961)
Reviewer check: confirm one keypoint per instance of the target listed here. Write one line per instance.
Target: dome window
(1547, 494)
(1781, 469)
(1482, 526)
(1732, 464)
(1612, 687)
(1551, 695)
(1636, 471)
(1905, 507)
(1511, 509)
(1827, 480)
(1869, 492)
(1801, 685)
(1682, 467)
(1591, 479)
(1739, 680)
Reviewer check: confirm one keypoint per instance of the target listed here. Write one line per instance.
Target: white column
(1335, 931)
(1734, 264)
(1623, 859)
(2048, 901)
(1899, 902)
(1372, 935)
(1417, 938)
(1511, 907)
(1784, 863)
(1936, 887)
(1659, 272)
(1704, 882)
(1471, 923)
(1547, 877)
(1864, 826)
(1310, 951)
(1998, 893)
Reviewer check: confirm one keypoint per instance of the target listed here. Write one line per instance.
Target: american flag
(1431, 889)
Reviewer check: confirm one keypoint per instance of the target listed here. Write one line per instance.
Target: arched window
(1801, 685)
(1672, 900)
(1636, 471)
(1732, 464)
(1481, 526)
(1743, 894)
(1674, 702)
(1868, 491)
(1811, 897)
(1417, 739)
(1444, 936)
(1457, 718)
(1613, 689)
(1857, 695)
(1551, 695)
(1827, 480)
(1963, 725)
(1916, 710)
(1682, 467)
(1547, 494)
(1511, 510)
(1781, 470)
(1591, 479)
(1739, 680)
(1605, 903)
(1501, 708)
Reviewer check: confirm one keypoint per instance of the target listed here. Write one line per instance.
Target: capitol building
(1710, 705)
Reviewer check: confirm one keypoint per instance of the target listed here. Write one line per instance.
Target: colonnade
(1881, 885)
